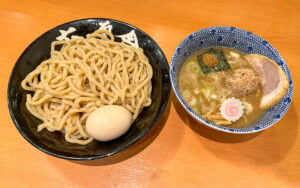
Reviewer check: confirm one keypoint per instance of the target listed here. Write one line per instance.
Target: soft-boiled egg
(108, 122)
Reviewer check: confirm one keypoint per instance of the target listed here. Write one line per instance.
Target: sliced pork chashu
(274, 81)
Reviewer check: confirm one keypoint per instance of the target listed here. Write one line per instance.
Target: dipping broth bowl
(245, 42)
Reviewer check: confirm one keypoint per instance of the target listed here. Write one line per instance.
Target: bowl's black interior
(54, 143)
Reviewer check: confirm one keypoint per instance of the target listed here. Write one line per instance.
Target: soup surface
(213, 76)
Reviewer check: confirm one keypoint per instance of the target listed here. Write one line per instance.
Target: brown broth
(205, 91)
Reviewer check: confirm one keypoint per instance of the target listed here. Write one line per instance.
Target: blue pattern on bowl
(244, 41)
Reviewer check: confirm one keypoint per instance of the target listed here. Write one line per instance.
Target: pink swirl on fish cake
(231, 109)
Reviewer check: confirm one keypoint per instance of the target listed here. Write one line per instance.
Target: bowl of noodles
(74, 69)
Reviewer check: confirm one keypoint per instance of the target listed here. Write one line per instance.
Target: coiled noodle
(83, 74)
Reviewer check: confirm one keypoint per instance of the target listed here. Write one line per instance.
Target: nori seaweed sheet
(222, 61)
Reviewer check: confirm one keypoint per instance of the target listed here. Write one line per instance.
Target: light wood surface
(179, 152)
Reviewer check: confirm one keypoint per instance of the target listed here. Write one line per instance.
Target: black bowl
(54, 143)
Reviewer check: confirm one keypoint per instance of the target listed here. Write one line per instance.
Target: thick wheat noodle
(216, 117)
(83, 75)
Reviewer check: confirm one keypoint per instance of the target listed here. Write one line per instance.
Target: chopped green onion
(194, 67)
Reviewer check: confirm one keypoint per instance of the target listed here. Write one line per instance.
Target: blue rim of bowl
(158, 116)
(205, 121)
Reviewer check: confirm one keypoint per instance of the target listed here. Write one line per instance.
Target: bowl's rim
(204, 121)
(139, 137)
